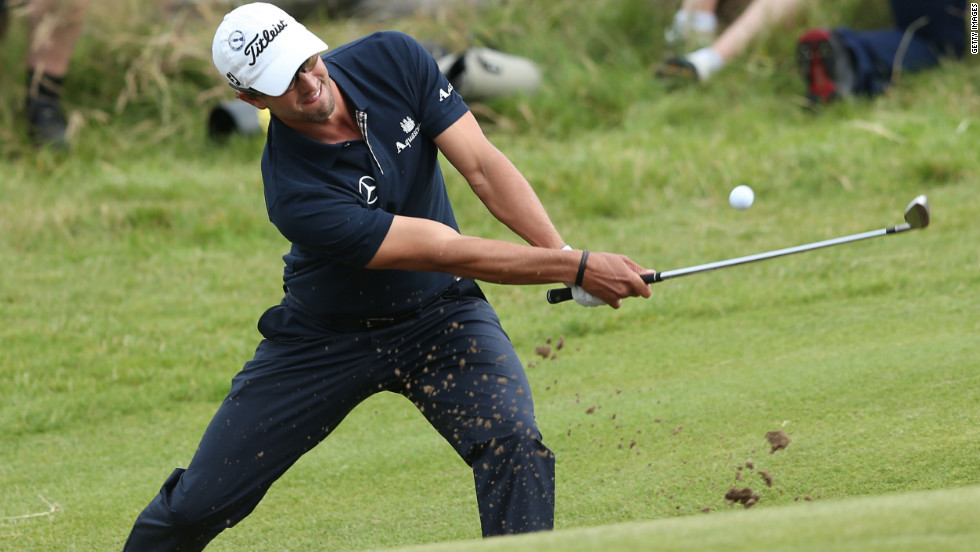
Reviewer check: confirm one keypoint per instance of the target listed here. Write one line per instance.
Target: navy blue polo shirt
(335, 202)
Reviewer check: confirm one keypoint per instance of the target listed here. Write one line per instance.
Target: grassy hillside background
(134, 269)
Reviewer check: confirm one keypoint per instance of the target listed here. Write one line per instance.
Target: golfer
(379, 283)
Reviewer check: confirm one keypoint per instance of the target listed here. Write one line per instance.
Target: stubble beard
(326, 106)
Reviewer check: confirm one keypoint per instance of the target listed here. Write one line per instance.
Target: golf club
(916, 216)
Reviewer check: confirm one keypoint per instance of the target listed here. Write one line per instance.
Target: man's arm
(419, 244)
(426, 245)
(497, 182)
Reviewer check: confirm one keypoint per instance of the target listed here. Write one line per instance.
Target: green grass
(892, 522)
(135, 268)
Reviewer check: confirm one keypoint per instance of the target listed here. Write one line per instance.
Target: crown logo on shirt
(408, 125)
(412, 129)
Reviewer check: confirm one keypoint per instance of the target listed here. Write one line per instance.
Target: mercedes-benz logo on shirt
(366, 187)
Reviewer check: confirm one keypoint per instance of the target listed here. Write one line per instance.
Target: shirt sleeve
(438, 102)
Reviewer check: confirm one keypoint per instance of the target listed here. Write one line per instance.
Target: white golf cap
(260, 47)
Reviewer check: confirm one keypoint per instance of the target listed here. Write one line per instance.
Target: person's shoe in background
(698, 66)
(46, 122)
(825, 65)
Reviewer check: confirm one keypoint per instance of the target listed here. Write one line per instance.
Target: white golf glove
(581, 296)
(585, 298)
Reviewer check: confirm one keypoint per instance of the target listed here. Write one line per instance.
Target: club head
(917, 213)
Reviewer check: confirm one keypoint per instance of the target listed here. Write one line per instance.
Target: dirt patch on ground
(778, 440)
(744, 496)
(766, 477)
(548, 350)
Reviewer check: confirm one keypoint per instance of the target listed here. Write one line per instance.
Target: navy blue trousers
(454, 362)
(936, 28)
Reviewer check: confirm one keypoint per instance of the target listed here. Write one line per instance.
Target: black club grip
(560, 295)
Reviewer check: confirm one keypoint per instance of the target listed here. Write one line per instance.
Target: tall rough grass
(145, 66)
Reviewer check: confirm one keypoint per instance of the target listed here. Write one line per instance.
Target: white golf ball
(741, 197)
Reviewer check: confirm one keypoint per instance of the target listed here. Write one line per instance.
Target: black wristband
(581, 268)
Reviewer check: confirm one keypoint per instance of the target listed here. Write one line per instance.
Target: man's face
(309, 100)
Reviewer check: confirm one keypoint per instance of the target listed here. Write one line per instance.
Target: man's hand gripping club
(607, 281)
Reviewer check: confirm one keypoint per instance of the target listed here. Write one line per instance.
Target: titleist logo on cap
(257, 45)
